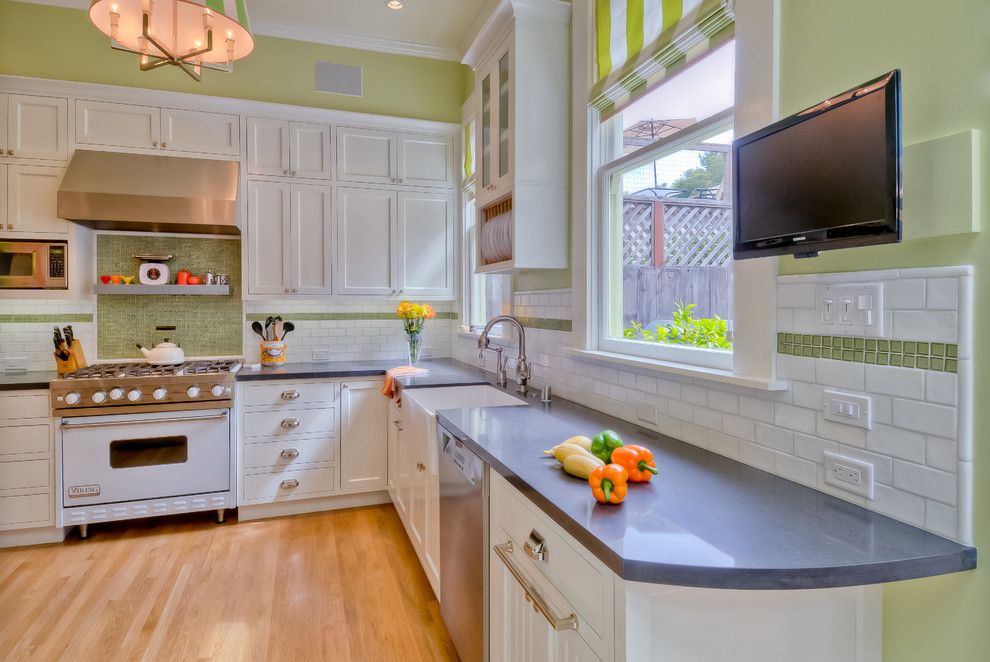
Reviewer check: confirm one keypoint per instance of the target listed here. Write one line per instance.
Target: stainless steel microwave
(34, 265)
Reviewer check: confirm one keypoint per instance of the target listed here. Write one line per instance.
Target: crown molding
(498, 15)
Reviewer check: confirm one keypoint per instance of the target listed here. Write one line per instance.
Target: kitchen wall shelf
(200, 290)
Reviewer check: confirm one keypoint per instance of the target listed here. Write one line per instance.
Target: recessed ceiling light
(394, 4)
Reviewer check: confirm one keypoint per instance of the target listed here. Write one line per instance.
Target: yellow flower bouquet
(413, 316)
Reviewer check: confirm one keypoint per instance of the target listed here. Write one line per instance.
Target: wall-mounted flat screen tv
(827, 177)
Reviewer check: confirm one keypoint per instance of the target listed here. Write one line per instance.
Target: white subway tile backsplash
(774, 437)
(723, 444)
(941, 388)
(943, 293)
(796, 295)
(924, 417)
(796, 469)
(796, 368)
(739, 426)
(844, 434)
(756, 456)
(794, 418)
(724, 402)
(896, 442)
(756, 408)
(904, 294)
(813, 448)
(902, 382)
(930, 325)
(941, 453)
(899, 504)
(941, 518)
(841, 374)
(926, 481)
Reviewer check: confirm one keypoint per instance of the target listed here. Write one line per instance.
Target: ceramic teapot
(164, 353)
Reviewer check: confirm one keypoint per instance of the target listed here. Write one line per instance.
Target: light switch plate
(321, 354)
(854, 309)
(849, 474)
(849, 409)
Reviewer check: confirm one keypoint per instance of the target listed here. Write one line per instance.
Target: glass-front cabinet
(495, 135)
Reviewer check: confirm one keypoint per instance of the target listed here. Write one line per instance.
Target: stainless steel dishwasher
(463, 546)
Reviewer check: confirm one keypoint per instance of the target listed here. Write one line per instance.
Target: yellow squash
(581, 466)
(580, 440)
(562, 451)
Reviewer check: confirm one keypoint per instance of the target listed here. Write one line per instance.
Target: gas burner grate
(210, 367)
(125, 370)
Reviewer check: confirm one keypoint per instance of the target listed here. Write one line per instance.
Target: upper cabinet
(376, 156)
(33, 128)
(425, 238)
(522, 166)
(130, 126)
(30, 207)
(279, 148)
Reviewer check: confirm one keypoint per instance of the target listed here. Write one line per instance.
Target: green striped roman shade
(641, 42)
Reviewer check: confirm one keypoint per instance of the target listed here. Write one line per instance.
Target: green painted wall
(54, 42)
(827, 47)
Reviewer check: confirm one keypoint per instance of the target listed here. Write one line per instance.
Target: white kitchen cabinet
(377, 156)
(201, 133)
(363, 437)
(394, 424)
(289, 238)
(31, 201)
(425, 160)
(27, 460)
(4, 201)
(34, 128)
(497, 120)
(426, 244)
(367, 225)
(279, 148)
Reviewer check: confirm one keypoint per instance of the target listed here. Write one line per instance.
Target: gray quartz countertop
(442, 372)
(26, 381)
(705, 520)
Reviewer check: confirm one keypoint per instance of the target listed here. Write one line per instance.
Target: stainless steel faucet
(522, 366)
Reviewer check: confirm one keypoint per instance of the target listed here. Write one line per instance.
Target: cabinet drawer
(585, 585)
(21, 439)
(25, 474)
(27, 509)
(287, 394)
(282, 485)
(290, 422)
(288, 453)
(17, 405)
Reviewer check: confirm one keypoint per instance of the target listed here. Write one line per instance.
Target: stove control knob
(193, 391)
(159, 393)
(99, 397)
(217, 390)
(72, 398)
(134, 395)
(116, 393)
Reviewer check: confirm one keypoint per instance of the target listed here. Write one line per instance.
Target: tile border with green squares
(917, 354)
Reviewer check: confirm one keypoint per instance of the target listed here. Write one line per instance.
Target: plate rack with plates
(495, 239)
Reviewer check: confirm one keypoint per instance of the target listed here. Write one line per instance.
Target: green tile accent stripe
(30, 318)
(940, 357)
(205, 325)
(327, 317)
(545, 323)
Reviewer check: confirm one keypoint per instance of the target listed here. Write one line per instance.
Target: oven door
(129, 457)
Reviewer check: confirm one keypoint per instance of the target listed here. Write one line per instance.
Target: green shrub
(709, 332)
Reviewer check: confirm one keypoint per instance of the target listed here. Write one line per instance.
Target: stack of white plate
(496, 239)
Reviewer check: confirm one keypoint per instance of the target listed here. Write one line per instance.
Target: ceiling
(440, 29)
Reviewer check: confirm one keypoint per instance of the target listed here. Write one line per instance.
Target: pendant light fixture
(189, 34)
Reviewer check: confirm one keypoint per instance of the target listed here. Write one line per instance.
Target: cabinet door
(485, 149)
(311, 239)
(201, 133)
(426, 244)
(269, 244)
(117, 124)
(32, 193)
(394, 425)
(268, 147)
(4, 200)
(366, 155)
(37, 127)
(309, 150)
(426, 160)
(405, 465)
(3, 125)
(431, 549)
(503, 119)
(366, 237)
(363, 437)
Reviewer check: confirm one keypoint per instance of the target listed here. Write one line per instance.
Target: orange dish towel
(388, 390)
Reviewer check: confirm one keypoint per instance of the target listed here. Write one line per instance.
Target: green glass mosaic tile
(858, 356)
(883, 345)
(952, 351)
(896, 346)
(910, 347)
(883, 359)
(922, 348)
(327, 317)
(847, 355)
(806, 350)
(30, 318)
(938, 349)
(938, 364)
(918, 354)
(205, 325)
(871, 345)
(921, 362)
(816, 352)
(897, 360)
(816, 341)
(871, 357)
(826, 352)
(908, 361)
(951, 365)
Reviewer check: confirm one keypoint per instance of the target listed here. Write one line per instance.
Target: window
(666, 220)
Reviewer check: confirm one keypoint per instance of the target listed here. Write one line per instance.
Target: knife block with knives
(69, 355)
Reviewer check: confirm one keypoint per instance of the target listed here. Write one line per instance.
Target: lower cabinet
(363, 437)
(27, 462)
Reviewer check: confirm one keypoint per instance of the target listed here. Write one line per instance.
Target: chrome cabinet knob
(289, 484)
(154, 143)
(164, 145)
(286, 290)
(293, 173)
(10, 226)
(289, 454)
(10, 151)
(290, 423)
(285, 173)
(290, 395)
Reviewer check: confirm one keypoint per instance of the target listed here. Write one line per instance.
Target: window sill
(684, 370)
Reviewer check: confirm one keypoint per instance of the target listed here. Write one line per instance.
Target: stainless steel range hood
(114, 191)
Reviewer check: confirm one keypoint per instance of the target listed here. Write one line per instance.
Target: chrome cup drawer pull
(290, 395)
(536, 547)
(540, 604)
(289, 454)
(289, 484)
(290, 423)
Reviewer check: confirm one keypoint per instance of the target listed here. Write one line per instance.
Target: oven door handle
(178, 419)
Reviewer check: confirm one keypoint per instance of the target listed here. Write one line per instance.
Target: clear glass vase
(415, 346)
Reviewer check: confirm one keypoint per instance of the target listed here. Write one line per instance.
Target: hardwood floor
(342, 585)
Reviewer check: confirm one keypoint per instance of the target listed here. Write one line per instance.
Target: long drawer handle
(290, 423)
(290, 395)
(186, 419)
(289, 454)
(558, 623)
(289, 484)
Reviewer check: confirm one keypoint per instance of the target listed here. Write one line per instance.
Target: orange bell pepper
(608, 483)
(637, 460)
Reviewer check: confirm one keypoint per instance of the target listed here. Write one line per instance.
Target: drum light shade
(190, 34)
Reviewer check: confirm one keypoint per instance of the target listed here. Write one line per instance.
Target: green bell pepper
(604, 443)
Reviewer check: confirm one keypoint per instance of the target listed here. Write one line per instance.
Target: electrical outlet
(647, 413)
(321, 354)
(14, 363)
(849, 409)
(849, 474)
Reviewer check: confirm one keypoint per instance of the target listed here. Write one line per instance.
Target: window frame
(609, 133)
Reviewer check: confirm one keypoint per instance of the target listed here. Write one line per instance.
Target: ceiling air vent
(339, 79)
